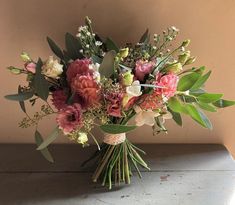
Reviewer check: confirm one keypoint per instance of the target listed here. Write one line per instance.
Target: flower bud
(125, 100)
(25, 57)
(190, 60)
(185, 43)
(14, 70)
(87, 20)
(184, 57)
(127, 78)
(123, 53)
(82, 138)
(175, 67)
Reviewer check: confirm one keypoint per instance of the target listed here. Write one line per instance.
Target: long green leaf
(73, 46)
(116, 129)
(107, 66)
(145, 37)
(223, 103)
(176, 117)
(52, 137)
(40, 84)
(200, 82)
(187, 81)
(57, 51)
(198, 116)
(20, 96)
(209, 97)
(110, 45)
(175, 105)
(206, 106)
(45, 152)
(22, 104)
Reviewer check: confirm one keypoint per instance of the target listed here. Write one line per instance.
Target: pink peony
(78, 68)
(87, 88)
(70, 118)
(168, 82)
(59, 99)
(114, 104)
(142, 68)
(31, 67)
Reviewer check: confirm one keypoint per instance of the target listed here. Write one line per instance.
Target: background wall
(25, 24)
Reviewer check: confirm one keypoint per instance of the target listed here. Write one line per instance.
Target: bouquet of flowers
(93, 82)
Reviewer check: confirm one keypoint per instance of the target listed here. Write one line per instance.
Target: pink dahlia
(70, 118)
(78, 68)
(142, 68)
(87, 88)
(114, 104)
(169, 84)
(59, 99)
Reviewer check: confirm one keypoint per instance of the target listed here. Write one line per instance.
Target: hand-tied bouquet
(96, 83)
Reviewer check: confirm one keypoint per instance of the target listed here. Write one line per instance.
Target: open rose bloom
(93, 83)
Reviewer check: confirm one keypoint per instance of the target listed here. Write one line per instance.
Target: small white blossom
(98, 43)
(95, 68)
(134, 90)
(79, 35)
(81, 50)
(87, 45)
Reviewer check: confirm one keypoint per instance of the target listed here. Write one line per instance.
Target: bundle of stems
(117, 163)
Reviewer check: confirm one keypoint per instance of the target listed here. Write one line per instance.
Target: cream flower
(95, 69)
(134, 90)
(52, 68)
(145, 117)
(82, 138)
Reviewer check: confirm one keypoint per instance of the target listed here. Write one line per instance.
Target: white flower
(145, 117)
(82, 138)
(52, 68)
(134, 90)
(98, 43)
(95, 68)
(87, 45)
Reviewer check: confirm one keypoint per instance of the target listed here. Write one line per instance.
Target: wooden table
(180, 175)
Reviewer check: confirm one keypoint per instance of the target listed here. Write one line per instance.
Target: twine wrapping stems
(114, 139)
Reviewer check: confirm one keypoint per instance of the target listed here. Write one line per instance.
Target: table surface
(181, 174)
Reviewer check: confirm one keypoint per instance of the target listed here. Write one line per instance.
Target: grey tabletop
(181, 174)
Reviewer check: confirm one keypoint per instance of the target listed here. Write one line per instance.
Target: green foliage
(187, 81)
(200, 82)
(116, 128)
(45, 152)
(176, 105)
(223, 103)
(40, 84)
(107, 66)
(209, 97)
(73, 46)
(20, 96)
(56, 50)
(206, 106)
(110, 45)
(52, 137)
(22, 104)
(145, 37)
(176, 117)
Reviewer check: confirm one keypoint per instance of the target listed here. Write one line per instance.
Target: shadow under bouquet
(93, 82)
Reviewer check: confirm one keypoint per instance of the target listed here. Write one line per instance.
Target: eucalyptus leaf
(187, 81)
(145, 37)
(200, 82)
(73, 46)
(22, 104)
(116, 128)
(57, 51)
(96, 59)
(223, 103)
(20, 96)
(209, 97)
(110, 45)
(40, 84)
(52, 137)
(45, 152)
(106, 68)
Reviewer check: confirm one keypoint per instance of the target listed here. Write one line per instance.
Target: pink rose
(31, 67)
(78, 68)
(169, 84)
(142, 68)
(70, 118)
